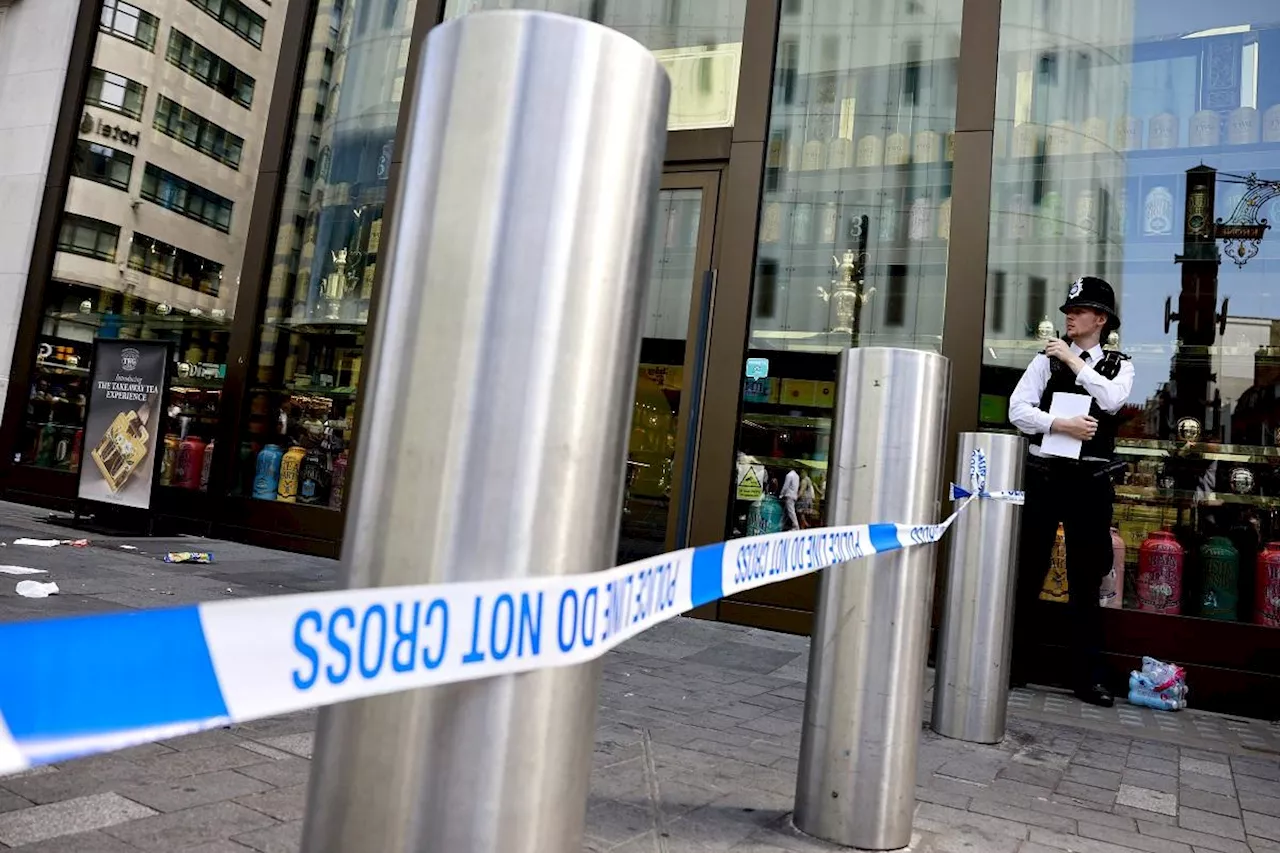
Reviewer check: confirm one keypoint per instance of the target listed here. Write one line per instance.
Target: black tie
(1084, 356)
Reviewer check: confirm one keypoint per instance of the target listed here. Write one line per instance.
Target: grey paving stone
(81, 814)
(1027, 815)
(202, 740)
(280, 774)
(174, 795)
(1131, 839)
(1100, 761)
(1212, 784)
(942, 798)
(1213, 824)
(615, 821)
(202, 824)
(218, 847)
(1219, 768)
(1144, 815)
(1262, 825)
(743, 657)
(179, 764)
(1082, 814)
(972, 768)
(1257, 767)
(1205, 801)
(1014, 793)
(1254, 785)
(1260, 803)
(1154, 749)
(76, 779)
(300, 744)
(1044, 777)
(81, 842)
(1154, 781)
(934, 818)
(1074, 843)
(1086, 792)
(285, 838)
(1195, 839)
(1105, 779)
(12, 802)
(1147, 799)
(1151, 764)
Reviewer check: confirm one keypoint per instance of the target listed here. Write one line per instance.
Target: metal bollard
(495, 429)
(971, 689)
(857, 778)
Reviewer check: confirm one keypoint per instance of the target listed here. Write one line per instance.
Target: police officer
(1076, 492)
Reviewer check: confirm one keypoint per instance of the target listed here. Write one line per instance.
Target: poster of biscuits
(124, 424)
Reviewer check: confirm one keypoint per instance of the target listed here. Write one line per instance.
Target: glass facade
(854, 228)
(152, 236)
(311, 340)
(699, 44)
(1140, 142)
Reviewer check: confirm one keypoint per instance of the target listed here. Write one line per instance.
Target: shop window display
(1140, 142)
(854, 228)
(699, 44)
(52, 434)
(303, 388)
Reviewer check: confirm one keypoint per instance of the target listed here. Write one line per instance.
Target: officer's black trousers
(1070, 493)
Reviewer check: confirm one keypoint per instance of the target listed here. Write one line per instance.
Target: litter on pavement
(20, 570)
(189, 557)
(39, 543)
(35, 589)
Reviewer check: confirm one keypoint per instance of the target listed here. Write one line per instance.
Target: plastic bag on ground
(1158, 685)
(36, 589)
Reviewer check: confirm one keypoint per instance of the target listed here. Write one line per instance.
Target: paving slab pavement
(695, 749)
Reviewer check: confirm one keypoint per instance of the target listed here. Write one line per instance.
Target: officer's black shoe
(1096, 694)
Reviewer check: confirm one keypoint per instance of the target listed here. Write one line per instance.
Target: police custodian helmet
(1091, 292)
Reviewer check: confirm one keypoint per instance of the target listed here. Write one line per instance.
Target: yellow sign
(749, 488)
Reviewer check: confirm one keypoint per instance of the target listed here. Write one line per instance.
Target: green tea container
(1221, 562)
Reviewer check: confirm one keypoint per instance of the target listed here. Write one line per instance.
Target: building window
(209, 68)
(181, 196)
(129, 23)
(189, 128)
(183, 268)
(236, 17)
(115, 92)
(102, 164)
(91, 238)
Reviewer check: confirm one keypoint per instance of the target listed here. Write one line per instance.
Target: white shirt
(1024, 405)
(790, 486)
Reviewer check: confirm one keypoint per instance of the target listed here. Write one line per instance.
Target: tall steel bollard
(971, 689)
(494, 435)
(862, 715)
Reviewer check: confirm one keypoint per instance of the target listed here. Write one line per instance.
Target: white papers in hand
(1065, 406)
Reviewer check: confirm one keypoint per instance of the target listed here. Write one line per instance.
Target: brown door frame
(701, 297)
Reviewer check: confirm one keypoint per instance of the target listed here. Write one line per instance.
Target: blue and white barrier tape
(80, 685)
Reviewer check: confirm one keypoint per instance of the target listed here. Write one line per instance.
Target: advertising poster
(124, 424)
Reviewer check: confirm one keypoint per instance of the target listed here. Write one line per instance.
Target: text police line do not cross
(114, 680)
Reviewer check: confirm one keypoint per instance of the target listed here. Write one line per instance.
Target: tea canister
(1220, 562)
(1266, 602)
(1160, 574)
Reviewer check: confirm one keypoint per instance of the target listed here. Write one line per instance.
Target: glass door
(661, 451)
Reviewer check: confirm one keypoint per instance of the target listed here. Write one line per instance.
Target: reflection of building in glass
(1060, 198)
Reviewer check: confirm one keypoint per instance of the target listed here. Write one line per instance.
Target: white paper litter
(39, 543)
(20, 570)
(35, 589)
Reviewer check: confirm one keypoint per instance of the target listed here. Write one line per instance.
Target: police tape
(75, 686)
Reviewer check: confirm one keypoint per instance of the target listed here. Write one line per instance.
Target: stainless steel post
(863, 708)
(971, 688)
(494, 432)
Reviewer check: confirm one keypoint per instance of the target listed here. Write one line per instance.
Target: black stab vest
(1062, 380)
